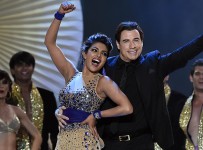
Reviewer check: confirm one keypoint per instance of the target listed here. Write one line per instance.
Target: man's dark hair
(22, 57)
(198, 62)
(128, 25)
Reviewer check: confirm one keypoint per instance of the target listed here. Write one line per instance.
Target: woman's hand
(60, 117)
(66, 7)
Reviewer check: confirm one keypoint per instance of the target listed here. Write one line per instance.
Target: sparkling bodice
(80, 93)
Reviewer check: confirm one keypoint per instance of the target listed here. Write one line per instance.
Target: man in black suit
(38, 103)
(141, 79)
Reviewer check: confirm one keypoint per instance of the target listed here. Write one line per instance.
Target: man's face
(197, 78)
(130, 45)
(22, 72)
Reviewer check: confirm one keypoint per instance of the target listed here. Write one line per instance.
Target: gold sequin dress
(184, 121)
(79, 93)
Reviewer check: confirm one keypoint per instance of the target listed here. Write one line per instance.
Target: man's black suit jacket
(153, 67)
(50, 123)
(175, 105)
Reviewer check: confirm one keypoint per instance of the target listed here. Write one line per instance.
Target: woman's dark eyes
(94, 50)
(105, 53)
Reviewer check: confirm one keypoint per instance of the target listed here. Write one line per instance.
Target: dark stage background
(167, 24)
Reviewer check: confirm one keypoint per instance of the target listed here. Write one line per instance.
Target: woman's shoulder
(76, 74)
(104, 79)
(18, 111)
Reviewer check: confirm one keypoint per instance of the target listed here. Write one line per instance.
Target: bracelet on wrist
(97, 114)
(59, 16)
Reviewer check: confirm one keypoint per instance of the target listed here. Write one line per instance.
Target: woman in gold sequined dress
(11, 117)
(84, 91)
